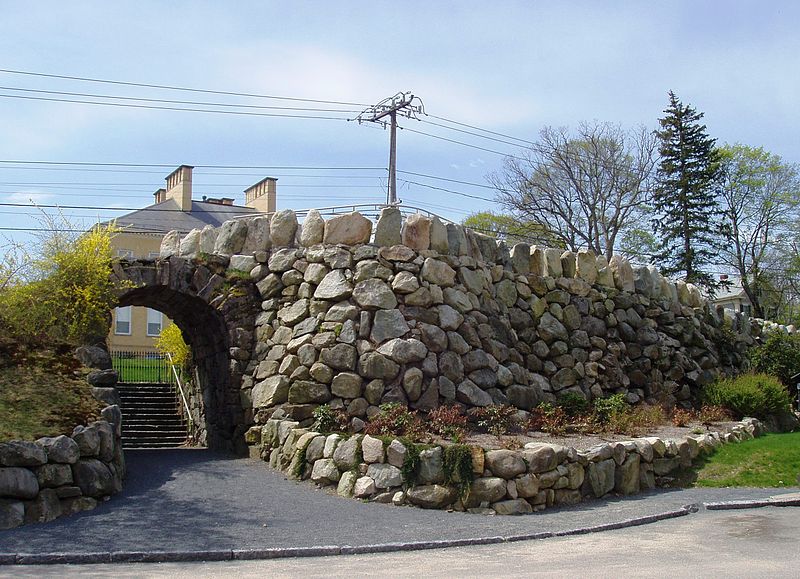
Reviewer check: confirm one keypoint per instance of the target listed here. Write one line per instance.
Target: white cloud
(28, 197)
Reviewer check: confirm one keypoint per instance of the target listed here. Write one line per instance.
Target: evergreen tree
(688, 216)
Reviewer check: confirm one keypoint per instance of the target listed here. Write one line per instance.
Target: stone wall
(505, 482)
(53, 477)
(426, 313)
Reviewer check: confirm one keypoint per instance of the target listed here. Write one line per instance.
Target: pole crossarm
(400, 104)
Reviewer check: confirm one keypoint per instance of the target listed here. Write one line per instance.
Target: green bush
(396, 419)
(606, 408)
(758, 395)
(778, 356)
(573, 404)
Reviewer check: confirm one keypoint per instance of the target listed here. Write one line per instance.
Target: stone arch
(216, 316)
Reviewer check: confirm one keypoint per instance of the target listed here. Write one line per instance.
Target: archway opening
(204, 330)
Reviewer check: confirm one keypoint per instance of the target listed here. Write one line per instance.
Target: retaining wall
(505, 482)
(423, 313)
(54, 477)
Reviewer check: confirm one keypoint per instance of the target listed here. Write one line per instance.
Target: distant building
(137, 328)
(733, 297)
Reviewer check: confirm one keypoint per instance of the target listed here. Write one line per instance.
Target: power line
(447, 190)
(173, 165)
(504, 141)
(462, 143)
(170, 101)
(164, 108)
(179, 88)
(480, 129)
(446, 179)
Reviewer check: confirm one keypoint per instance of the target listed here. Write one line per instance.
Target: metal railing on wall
(141, 366)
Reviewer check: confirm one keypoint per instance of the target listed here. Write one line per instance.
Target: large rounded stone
(22, 453)
(232, 235)
(271, 391)
(387, 230)
(94, 357)
(340, 357)
(388, 324)
(325, 472)
(283, 228)
(374, 294)
(18, 482)
(513, 507)
(93, 477)
(313, 229)
(416, 232)
(385, 475)
(376, 365)
(550, 329)
(505, 463)
(306, 392)
(431, 496)
(437, 272)
(60, 449)
(334, 286)
(190, 244)
(487, 489)
(346, 385)
(469, 393)
(346, 454)
(257, 235)
(349, 229)
(404, 351)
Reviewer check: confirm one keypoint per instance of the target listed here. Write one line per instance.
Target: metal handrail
(183, 395)
(365, 208)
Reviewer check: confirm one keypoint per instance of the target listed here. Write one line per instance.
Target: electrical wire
(165, 108)
(177, 88)
(179, 102)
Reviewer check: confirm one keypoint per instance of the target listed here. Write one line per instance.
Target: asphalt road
(196, 500)
(749, 543)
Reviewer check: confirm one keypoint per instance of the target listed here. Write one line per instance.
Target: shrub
(709, 413)
(397, 420)
(326, 419)
(448, 422)
(66, 293)
(778, 356)
(758, 395)
(606, 408)
(682, 417)
(548, 418)
(573, 404)
(496, 419)
(170, 341)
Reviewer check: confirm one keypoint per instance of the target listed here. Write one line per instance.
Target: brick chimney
(179, 187)
(262, 196)
(160, 195)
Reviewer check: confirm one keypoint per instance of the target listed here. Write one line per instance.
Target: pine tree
(689, 217)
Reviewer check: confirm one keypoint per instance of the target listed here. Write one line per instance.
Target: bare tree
(585, 188)
(759, 199)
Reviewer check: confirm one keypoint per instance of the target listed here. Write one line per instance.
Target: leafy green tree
(509, 229)
(583, 187)
(687, 215)
(759, 195)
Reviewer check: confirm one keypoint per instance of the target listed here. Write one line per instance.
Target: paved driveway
(197, 500)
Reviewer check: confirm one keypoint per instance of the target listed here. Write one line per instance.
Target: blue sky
(509, 67)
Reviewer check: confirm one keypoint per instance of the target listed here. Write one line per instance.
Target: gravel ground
(192, 500)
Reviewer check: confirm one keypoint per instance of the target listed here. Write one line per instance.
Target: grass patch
(141, 369)
(772, 460)
(40, 395)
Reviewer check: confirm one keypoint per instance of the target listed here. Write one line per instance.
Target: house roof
(164, 217)
(732, 292)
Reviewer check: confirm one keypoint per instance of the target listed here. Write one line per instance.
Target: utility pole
(400, 103)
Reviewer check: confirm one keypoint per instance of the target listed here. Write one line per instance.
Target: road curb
(320, 551)
(787, 500)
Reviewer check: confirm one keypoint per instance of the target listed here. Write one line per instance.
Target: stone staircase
(150, 416)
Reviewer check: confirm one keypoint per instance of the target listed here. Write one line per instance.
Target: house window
(125, 253)
(122, 321)
(154, 255)
(153, 322)
(747, 309)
